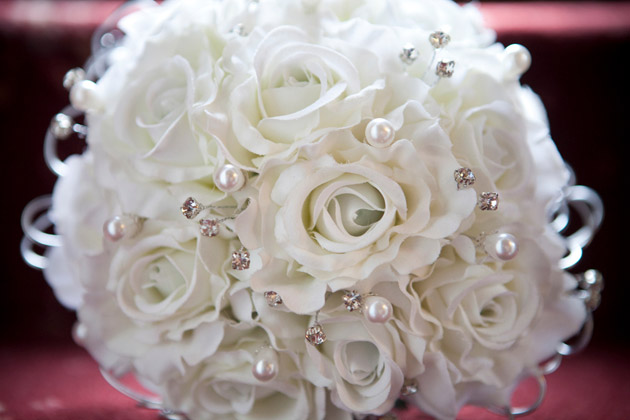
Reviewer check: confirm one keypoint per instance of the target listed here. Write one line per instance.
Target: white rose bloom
(363, 361)
(174, 277)
(158, 84)
(344, 213)
(301, 88)
(479, 321)
(223, 386)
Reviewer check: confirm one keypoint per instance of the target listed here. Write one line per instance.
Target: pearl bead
(378, 309)
(380, 132)
(517, 61)
(501, 246)
(84, 96)
(119, 227)
(229, 178)
(265, 367)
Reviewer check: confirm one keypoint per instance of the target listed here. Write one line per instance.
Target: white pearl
(378, 309)
(501, 246)
(265, 367)
(517, 61)
(229, 178)
(119, 227)
(84, 96)
(380, 132)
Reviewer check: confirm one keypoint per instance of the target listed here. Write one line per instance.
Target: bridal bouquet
(312, 209)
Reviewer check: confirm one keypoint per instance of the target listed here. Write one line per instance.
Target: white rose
(363, 361)
(352, 208)
(173, 277)
(300, 90)
(488, 132)
(223, 387)
(153, 99)
(479, 312)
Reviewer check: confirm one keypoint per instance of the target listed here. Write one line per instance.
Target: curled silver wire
(30, 257)
(146, 401)
(35, 221)
(590, 208)
(34, 226)
(107, 36)
(581, 340)
(172, 415)
(512, 412)
(56, 165)
(551, 365)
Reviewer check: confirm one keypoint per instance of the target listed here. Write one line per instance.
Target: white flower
(300, 89)
(223, 386)
(363, 361)
(172, 277)
(351, 208)
(480, 320)
(153, 100)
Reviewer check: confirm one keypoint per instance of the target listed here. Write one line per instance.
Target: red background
(579, 52)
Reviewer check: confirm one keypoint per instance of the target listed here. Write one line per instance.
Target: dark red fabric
(60, 381)
(578, 51)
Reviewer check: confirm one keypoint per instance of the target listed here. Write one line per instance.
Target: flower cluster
(368, 173)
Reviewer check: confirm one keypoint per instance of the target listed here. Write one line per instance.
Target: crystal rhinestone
(439, 39)
(209, 227)
(73, 76)
(410, 387)
(191, 208)
(240, 259)
(445, 68)
(352, 300)
(61, 126)
(591, 280)
(464, 178)
(489, 201)
(409, 54)
(273, 298)
(315, 335)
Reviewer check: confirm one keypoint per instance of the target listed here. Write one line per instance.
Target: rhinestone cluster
(315, 335)
(273, 298)
(445, 68)
(409, 54)
(489, 201)
(592, 282)
(410, 387)
(464, 178)
(191, 208)
(352, 300)
(240, 259)
(61, 126)
(439, 39)
(209, 227)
